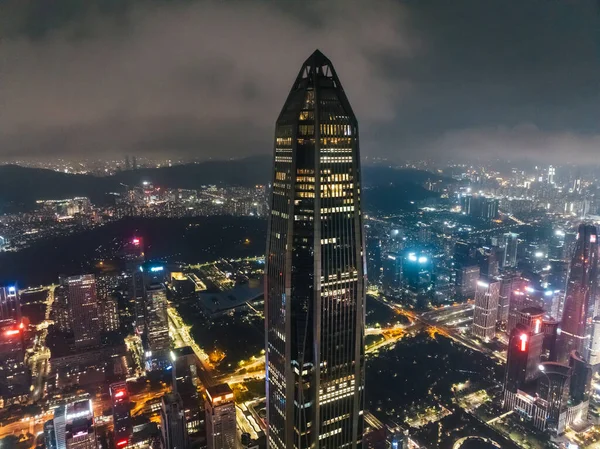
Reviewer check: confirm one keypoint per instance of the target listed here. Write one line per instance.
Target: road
(181, 337)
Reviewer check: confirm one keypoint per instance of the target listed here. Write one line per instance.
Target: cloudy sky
(439, 78)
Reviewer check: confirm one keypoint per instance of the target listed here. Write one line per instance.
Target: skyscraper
(81, 291)
(315, 269)
(172, 422)
(14, 375)
(486, 309)
(221, 430)
(121, 408)
(10, 307)
(157, 324)
(576, 325)
(511, 241)
(74, 425)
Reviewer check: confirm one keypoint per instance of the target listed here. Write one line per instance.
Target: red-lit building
(14, 375)
(121, 408)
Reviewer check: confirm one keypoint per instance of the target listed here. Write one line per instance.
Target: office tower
(559, 272)
(523, 296)
(185, 381)
(550, 330)
(392, 274)
(107, 304)
(221, 428)
(576, 324)
(157, 320)
(373, 260)
(417, 271)
(81, 292)
(10, 307)
(121, 408)
(594, 344)
(315, 269)
(466, 280)
(479, 206)
(487, 259)
(553, 387)
(486, 309)
(74, 425)
(61, 312)
(522, 362)
(134, 255)
(551, 174)
(506, 282)
(49, 435)
(531, 319)
(581, 378)
(511, 243)
(127, 163)
(464, 254)
(172, 422)
(14, 375)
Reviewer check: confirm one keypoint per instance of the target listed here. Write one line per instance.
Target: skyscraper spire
(315, 269)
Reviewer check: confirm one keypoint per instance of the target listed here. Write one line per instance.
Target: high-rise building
(511, 243)
(14, 375)
(594, 344)
(581, 378)
(10, 307)
(221, 430)
(108, 311)
(83, 305)
(185, 381)
(466, 280)
(506, 282)
(373, 260)
(157, 320)
(485, 313)
(49, 436)
(134, 255)
(121, 408)
(551, 174)
(74, 426)
(553, 387)
(579, 307)
(172, 422)
(315, 269)
(392, 273)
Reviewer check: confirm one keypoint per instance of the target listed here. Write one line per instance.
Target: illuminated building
(83, 304)
(172, 422)
(479, 206)
(486, 309)
(506, 283)
(594, 350)
(523, 358)
(392, 273)
(135, 256)
(511, 242)
(185, 381)
(74, 426)
(10, 307)
(417, 271)
(107, 304)
(466, 280)
(315, 269)
(221, 428)
(553, 387)
(551, 174)
(157, 320)
(49, 435)
(576, 324)
(121, 408)
(523, 296)
(373, 260)
(14, 375)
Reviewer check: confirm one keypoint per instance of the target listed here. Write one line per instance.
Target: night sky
(206, 79)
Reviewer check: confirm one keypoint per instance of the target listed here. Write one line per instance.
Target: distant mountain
(20, 187)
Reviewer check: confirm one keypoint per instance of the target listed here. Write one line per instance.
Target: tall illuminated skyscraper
(84, 309)
(486, 309)
(315, 269)
(10, 307)
(576, 326)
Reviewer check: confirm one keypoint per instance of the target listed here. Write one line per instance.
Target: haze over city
(465, 79)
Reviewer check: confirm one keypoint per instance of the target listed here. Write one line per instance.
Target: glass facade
(315, 269)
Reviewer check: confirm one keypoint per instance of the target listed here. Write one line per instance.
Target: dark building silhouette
(121, 407)
(315, 269)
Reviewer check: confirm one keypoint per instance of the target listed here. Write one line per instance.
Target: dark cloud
(207, 79)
